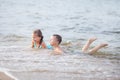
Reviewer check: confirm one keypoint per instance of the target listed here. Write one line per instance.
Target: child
(37, 41)
(95, 49)
(55, 41)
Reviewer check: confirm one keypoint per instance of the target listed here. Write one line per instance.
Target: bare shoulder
(43, 44)
(59, 51)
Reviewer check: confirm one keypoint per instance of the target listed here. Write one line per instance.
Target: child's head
(37, 36)
(55, 39)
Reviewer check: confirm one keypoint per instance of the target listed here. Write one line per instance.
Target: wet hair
(59, 38)
(38, 32)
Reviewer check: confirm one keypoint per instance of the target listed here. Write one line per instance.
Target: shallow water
(41, 64)
(76, 21)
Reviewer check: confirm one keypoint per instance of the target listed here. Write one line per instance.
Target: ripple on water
(20, 60)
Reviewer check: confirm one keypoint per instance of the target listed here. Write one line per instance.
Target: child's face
(36, 38)
(53, 41)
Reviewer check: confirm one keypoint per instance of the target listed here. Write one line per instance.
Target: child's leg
(95, 49)
(87, 45)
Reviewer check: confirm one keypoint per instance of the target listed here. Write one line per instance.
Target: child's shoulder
(43, 44)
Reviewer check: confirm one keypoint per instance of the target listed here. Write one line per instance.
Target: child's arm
(32, 44)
